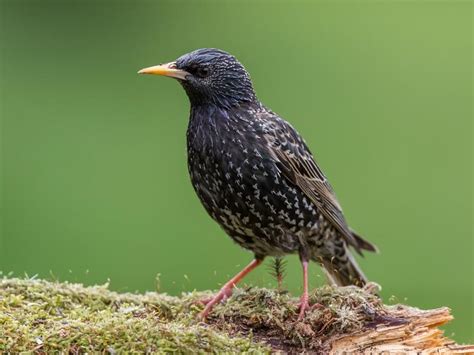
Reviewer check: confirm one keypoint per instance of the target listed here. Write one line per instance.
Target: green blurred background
(95, 183)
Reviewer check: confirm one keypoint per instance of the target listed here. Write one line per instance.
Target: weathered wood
(420, 333)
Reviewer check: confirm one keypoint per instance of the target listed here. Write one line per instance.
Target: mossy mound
(42, 316)
(271, 317)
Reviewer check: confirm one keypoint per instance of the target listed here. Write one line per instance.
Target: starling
(256, 177)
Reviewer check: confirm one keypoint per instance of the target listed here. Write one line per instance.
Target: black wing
(295, 161)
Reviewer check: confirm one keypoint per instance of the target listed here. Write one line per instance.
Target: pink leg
(226, 290)
(304, 305)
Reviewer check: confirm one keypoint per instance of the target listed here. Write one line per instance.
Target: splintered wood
(417, 332)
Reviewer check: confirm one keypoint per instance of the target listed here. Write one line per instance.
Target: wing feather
(297, 164)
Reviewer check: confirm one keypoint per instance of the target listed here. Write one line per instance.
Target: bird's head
(209, 76)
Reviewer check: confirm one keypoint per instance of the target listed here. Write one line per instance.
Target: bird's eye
(202, 72)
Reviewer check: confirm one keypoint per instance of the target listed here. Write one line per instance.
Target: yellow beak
(168, 69)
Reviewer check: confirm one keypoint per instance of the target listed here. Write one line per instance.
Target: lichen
(43, 316)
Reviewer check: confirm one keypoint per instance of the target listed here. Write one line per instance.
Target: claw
(222, 295)
(226, 290)
(303, 307)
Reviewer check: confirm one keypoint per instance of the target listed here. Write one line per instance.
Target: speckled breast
(241, 187)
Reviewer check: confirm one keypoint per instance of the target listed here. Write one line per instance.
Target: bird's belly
(254, 204)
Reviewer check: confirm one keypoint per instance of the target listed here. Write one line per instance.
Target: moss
(272, 316)
(37, 315)
(43, 316)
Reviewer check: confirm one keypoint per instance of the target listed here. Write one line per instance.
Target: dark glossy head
(209, 76)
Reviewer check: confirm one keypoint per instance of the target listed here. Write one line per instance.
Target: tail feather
(362, 244)
(344, 272)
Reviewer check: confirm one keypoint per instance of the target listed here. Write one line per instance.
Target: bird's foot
(222, 295)
(226, 290)
(303, 306)
(226, 294)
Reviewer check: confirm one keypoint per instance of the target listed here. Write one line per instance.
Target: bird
(256, 176)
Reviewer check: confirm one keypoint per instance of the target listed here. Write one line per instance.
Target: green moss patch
(43, 316)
